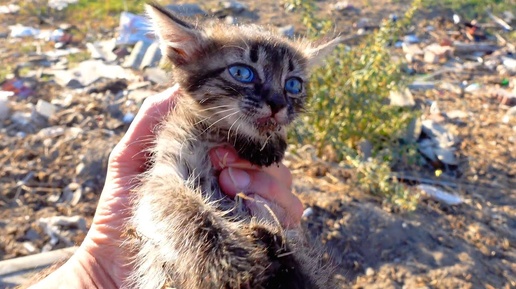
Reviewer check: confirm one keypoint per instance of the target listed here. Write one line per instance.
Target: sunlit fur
(190, 235)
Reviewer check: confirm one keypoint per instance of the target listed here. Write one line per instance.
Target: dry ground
(472, 245)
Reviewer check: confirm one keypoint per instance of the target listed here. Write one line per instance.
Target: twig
(429, 181)
(499, 21)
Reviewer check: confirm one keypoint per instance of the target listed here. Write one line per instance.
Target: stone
(4, 106)
(369, 271)
(287, 31)
(401, 98)
(45, 108)
(187, 10)
(234, 6)
(156, 75)
(31, 235)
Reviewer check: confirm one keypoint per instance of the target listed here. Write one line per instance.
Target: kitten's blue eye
(241, 73)
(293, 85)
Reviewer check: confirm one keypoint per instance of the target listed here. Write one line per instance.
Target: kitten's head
(247, 81)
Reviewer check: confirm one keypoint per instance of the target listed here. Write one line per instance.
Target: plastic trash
(60, 4)
(440, 195)
(18, 31)
(133, 28)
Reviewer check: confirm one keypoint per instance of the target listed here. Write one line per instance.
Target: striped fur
(191, 234)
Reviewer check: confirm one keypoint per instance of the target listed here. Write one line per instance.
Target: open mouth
(267, 124)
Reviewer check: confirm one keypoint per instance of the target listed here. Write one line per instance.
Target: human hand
(100, 261)
(261, 186)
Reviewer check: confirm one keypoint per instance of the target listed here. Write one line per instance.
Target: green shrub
(349, 105)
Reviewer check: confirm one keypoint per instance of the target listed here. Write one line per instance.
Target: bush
(349, 105)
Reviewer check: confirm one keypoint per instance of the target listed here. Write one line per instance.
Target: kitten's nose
(276, 101)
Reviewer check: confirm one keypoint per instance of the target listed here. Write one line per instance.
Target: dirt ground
(471, 245)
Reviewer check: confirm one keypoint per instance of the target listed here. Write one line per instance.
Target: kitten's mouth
(267, 124)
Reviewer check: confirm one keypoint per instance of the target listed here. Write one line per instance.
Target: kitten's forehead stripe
(253, 53)
(196, 81)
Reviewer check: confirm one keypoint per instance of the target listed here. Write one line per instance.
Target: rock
(4, 105)
(457, 89)
(51, 132)
(431, 57)
(60, 4)
(362, 23)
(308, 212)
(230, 20)
(29, 247)
(287, 31)
(156, 75)
(412, 49)
(438, 133)
(9, 9)
(45, 109)
(421, 85)
(90, 71)
(426, 148)
(509, 63)
(369, 271)
(509, 115)
(72, 194)
(435, 52)
(103, 50)
(73, 222)
(404, 98)
(446, 155)
(456, 114)
(345, 6)
(234, 6)
(187, 10)
(31, 235)
(128, 118)
(21, 118)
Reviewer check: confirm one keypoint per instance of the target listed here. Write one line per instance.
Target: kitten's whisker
(229, 131)
(222, 118)
(212, 115)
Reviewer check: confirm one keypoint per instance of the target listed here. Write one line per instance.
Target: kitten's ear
(179, 40)
(317, 54)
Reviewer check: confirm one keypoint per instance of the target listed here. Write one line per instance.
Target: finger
(226, 156)
(264, 209)
(233, 181)
(140, 133)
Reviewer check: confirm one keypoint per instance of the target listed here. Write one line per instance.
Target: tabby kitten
(239, 85)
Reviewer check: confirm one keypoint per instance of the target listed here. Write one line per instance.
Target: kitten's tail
(186, 243)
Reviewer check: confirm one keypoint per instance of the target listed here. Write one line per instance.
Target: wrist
(82, 270)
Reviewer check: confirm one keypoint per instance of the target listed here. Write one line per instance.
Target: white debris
(51, 132)
(440, 195)
(4, 106)
(401, 98)
(45, 108)
(9, 9)
(510, 114)
(308, 212)
(60, 4)
(128, 118)
(18, 31)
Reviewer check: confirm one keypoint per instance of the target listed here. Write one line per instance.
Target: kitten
(239, 85)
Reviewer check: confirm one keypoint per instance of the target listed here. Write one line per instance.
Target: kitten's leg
(189, 241)
(185, 240)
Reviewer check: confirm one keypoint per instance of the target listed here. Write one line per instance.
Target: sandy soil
(472, 245)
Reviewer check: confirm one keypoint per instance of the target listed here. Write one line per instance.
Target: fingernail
(240, 178)
(225, 156)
